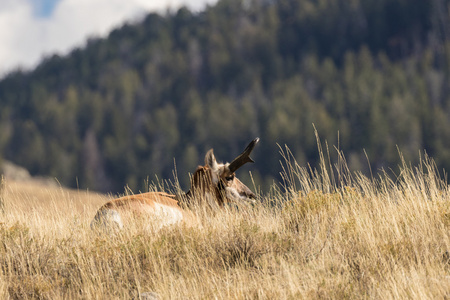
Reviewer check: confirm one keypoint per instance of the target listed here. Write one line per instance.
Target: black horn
(244, 157)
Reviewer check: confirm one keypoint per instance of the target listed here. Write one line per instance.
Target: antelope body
(212, 185)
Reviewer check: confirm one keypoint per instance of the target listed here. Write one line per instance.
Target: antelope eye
(229, 178)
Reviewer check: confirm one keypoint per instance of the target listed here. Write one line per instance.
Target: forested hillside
(369, 74)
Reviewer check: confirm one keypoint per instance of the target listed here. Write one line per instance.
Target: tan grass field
(327, 235)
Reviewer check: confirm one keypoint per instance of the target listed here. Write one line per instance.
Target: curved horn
(244, 157)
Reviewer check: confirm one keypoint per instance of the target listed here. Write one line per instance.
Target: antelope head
(217, 184)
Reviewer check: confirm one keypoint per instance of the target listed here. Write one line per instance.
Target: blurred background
(106, 93)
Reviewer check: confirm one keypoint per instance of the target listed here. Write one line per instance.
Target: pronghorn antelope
(212, 185)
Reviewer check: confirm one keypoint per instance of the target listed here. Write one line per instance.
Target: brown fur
(212, 185)
(141, 199)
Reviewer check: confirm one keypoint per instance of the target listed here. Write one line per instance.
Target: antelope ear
(210, 160)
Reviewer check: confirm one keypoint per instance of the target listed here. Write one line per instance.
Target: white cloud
(26, 38)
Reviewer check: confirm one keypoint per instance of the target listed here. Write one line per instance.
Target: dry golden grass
(326, 235)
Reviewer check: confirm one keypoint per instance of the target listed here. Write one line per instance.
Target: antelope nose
(252, 198)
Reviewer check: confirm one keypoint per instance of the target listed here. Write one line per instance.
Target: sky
(33, 29)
